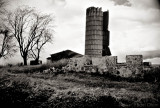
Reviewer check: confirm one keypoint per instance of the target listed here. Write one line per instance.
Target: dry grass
(72, 90)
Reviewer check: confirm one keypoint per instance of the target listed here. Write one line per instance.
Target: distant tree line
(25, 29)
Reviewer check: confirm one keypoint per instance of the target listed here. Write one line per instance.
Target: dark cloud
(146, 4)
(122, 2)
(151, 54)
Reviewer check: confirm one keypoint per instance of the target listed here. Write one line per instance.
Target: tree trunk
(37, 61)
(25, 60)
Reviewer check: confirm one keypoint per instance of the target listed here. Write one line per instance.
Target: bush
(152, 75)
(38, 68)
(28, 69)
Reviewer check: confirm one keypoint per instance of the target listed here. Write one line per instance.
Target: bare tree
(7, 45)
(42, 28)
(26, 27)
(18, 22)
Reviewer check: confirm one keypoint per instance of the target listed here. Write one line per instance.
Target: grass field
(34, 89)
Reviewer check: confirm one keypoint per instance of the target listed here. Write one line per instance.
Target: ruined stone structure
(107, 64)
(97, 34)
(97, 53)
(136, 60)
(135, 63)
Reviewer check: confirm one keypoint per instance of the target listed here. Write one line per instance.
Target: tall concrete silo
(97, 34)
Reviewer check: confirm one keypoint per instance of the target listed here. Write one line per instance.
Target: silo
(94, 32)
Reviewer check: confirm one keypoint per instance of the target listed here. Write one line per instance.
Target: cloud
(151, 54)
(122, 2)
(134, 15)
(59, 2)
(153, 60)
(146, 4)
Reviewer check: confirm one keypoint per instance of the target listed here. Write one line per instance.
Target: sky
(133, 24)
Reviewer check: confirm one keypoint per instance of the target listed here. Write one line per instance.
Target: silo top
(93, 10)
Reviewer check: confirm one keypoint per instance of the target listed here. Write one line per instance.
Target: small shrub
(28, 69)
(43, 67)
(19, 64)
(10, 65)
(60, 63)
(152, 75)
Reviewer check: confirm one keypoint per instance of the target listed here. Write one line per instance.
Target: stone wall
(85, 63)
(135, 63)
(134, 60)
(106, 64)
(77, 64)
(123, 71)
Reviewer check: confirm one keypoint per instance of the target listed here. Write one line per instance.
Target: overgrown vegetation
(35, 68)
(152, 75)
(28, 87)
(27, 69)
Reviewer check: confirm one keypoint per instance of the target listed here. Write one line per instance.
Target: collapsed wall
(106, 64)
(77, 64)
(135, 63)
